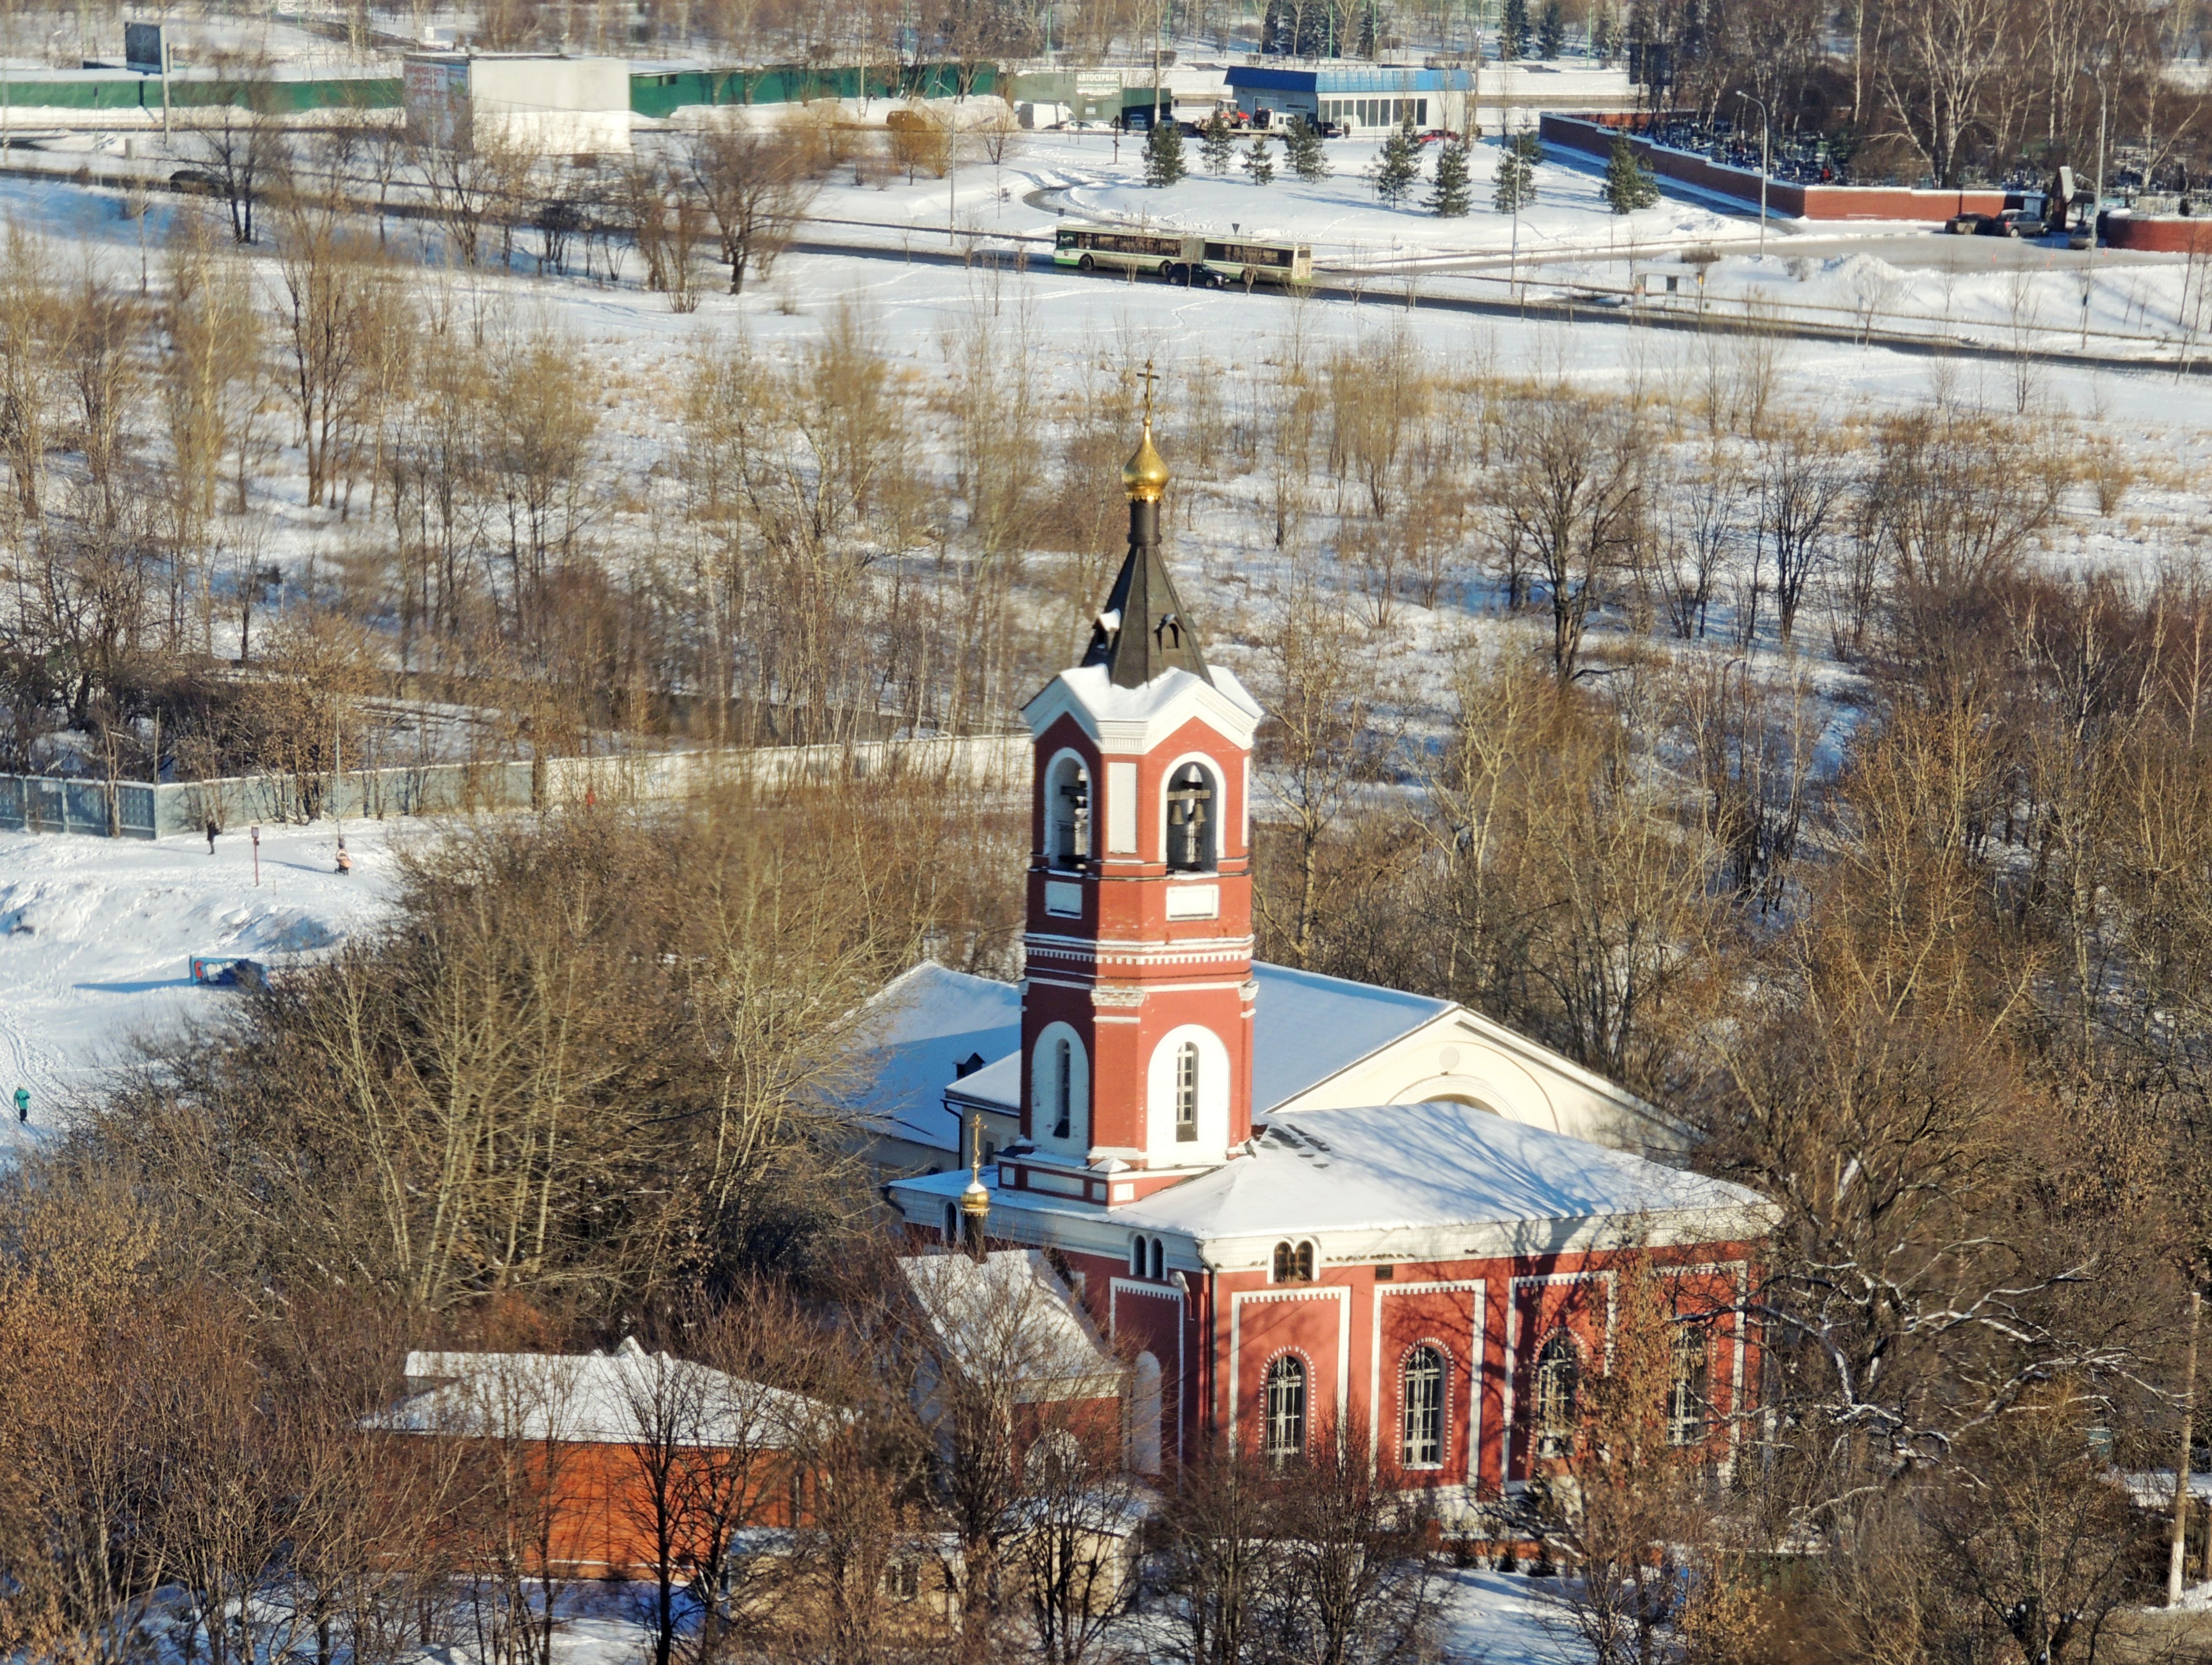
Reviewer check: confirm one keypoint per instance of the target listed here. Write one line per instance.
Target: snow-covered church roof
(931, 1022)
(1405, 1182)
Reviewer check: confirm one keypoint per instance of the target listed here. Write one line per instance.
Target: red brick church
(1296, 1199)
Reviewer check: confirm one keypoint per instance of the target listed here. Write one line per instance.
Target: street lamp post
(2097, 190)
(1765, 166)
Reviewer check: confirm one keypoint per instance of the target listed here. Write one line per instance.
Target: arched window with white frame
(1689, 1383)
(1136, 1257)
(1421, 1408)
(1286, 1408)
(1294, 1262)
(1557, 1395)
(1159, 1261)
(1187, 1092)
(1060, 1090)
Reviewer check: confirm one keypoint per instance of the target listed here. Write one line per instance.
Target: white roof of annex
(1398, 1181)
(1008, 1318)
(594, 1398)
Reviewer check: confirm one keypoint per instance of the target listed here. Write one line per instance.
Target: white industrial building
(549, 102)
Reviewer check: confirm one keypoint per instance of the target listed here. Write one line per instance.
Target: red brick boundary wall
(1593, 134)
(2158, 234)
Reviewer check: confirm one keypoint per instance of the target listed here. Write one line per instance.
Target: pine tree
(1513, 30)
(1302, 145)
(1400, 164)
(1453, 197)
(1628, 183)
(1516, 180)
(1551, 32)
(1601, 40)
(1218, 146)
(1257, 163)
(1164, 157)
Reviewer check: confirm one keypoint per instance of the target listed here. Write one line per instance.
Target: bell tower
(1137, 1008)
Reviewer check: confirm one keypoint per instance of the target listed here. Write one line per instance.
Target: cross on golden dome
(1145, 476)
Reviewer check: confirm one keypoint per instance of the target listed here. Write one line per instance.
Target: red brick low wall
(2158, 234)
(1593, 135)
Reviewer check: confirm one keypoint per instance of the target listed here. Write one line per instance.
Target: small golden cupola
(1145, 476)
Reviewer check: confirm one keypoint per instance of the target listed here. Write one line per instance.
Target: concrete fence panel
(141, 809)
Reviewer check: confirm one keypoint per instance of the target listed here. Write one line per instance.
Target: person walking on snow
(23, 1105)
(210, 835)
(345, 861)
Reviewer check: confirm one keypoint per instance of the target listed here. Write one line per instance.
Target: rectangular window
(1187, 1092)
(1421, 112)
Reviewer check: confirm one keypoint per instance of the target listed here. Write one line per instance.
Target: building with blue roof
(1365, 99)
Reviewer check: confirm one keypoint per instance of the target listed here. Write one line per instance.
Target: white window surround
(1211, 1144)
(1514, 1342)
(1464, 1363)
(1044, 1091)
(1240, 1299)
(1118, 1287)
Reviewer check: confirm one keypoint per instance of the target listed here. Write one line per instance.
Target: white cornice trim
(1234, 716)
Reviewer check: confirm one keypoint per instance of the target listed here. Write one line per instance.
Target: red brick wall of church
(1354, 1331)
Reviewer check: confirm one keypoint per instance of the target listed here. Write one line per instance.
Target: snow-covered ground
(95, 935)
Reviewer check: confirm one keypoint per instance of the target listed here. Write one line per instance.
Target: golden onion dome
(1145, 476)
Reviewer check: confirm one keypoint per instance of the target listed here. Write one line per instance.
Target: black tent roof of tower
(1143, 631)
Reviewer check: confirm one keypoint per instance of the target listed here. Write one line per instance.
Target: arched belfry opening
(1194, 814)
(1068, 815)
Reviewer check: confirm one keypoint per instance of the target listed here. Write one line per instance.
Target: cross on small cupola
(1142, 632)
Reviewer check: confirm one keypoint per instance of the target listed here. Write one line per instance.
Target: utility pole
(1766, 166)
(165, 85)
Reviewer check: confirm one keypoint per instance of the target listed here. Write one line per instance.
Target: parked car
(2020, 222)
(196, 181)
(1965, 225)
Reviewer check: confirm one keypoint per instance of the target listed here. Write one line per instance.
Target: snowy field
(95, 935)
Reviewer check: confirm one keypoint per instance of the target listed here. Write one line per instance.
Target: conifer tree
(1302, 146)
(1400, 164)
(1628, 183)
(1164, 157)
(1452, 196)
(1256, 161)
(1513, 30)
(1601, 37)
(1516, 175)
(1218, 146)
(1551, 32)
